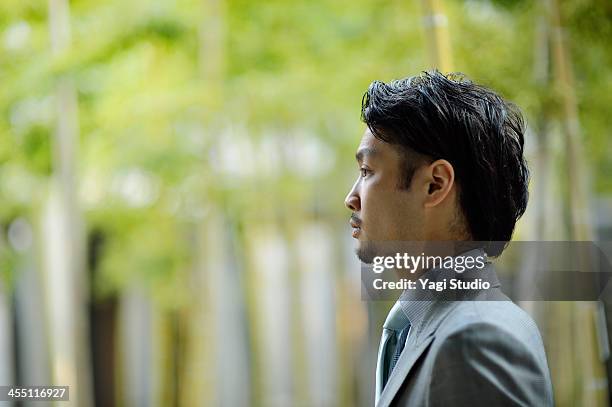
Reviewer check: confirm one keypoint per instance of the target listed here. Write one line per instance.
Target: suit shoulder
(503, 317)
(505, 363)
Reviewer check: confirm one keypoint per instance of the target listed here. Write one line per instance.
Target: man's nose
(352, 200)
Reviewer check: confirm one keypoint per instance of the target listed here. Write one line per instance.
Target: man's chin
(366, 252)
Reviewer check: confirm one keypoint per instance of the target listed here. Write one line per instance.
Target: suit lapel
(407, 359)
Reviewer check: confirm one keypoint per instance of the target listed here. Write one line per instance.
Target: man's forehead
(367, 139)
(370, 145)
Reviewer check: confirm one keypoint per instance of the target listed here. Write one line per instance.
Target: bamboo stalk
(67, 281)
(577, 372)
(435, 23)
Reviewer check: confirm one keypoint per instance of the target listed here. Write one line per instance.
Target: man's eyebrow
(364, 152)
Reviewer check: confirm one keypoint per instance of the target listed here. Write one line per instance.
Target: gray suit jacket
(480, 351)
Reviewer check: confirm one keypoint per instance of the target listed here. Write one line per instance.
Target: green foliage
(147, 108)
(144, 247)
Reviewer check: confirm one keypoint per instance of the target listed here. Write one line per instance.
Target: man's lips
(356, 225)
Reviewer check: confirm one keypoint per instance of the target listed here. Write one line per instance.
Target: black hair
(481, 134)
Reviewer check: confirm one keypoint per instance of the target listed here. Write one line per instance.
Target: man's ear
(441, 176)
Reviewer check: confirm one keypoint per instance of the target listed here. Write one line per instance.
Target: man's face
(382, 211)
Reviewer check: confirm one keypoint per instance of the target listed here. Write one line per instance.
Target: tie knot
(397, 319)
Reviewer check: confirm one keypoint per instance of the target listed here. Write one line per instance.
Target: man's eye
(364, 172)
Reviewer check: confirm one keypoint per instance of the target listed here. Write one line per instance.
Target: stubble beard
(366, 252)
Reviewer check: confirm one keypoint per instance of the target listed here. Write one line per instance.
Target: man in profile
(442, 159)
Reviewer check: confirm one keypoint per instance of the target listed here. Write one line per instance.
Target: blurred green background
(172, 177)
